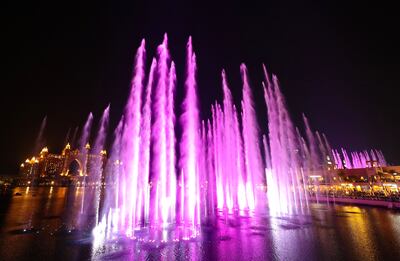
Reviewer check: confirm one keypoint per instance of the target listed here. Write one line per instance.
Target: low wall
(365, 202)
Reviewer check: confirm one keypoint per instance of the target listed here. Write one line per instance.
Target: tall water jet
(98, 147)
(98, 156)
(312, 148)
(99, 142)
(226, 143)
(39, 143)
(67, 137)
(83, 144)
(230, 173)
(277, 196)
(286, 193)
(171, 189)
(347, 162)
(322, 149)
(190, 141)
(251, 137)
(243, 202)
(159, 173)
(381, 158)
(110, 210)
(210, 168)
(131, 136)
(222, 201)
(84, 148)
(328, 148)
(145, 134)
(74, 135)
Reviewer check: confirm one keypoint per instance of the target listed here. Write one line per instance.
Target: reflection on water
(46, 223)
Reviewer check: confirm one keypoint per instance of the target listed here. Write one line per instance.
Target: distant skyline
(337, 63)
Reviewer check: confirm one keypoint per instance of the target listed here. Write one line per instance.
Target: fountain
(163, 185)
(358, 159)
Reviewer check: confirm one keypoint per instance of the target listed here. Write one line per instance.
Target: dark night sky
(337, 62)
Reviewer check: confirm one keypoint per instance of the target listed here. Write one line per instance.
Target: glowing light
(390, 185)
(347, 185)
(44, 150)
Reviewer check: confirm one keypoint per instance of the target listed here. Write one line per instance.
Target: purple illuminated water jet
(97, 163)
(286, 193)
(145, 135)
(253, 162)
(84, 140)
(358, 159)
(189, 145)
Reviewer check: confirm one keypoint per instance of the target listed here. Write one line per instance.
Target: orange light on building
(44, 150)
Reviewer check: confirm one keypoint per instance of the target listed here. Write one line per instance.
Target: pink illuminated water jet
(189, 145)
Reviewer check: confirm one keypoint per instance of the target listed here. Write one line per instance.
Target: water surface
(43, 224)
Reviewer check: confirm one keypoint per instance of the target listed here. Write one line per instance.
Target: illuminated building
(69, 167)
(371, 180)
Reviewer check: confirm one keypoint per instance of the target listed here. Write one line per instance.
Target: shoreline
(355, 201)
(389, 204)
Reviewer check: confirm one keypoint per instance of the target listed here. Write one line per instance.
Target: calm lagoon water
(41, 224)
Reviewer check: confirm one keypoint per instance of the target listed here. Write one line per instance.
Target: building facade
(71, 167)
